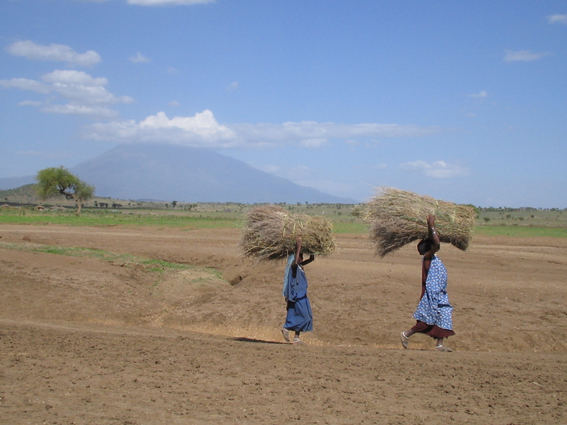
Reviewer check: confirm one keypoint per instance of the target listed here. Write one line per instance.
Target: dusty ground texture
(91, 340)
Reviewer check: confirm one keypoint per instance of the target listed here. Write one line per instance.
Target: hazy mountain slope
(165, 172)
(15, 182)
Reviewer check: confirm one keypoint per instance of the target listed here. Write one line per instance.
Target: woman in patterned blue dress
(434, 312)
(299, 317)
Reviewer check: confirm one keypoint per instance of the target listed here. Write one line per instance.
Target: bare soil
(85, 340)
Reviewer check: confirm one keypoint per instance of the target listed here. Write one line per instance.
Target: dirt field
(85, 340)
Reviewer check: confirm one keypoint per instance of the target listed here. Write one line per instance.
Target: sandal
(443, 348)
(285, 334)
(404, 339)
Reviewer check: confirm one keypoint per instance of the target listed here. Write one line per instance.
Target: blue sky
(462, 101)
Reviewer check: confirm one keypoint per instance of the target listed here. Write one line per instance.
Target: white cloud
(168, 2)
(80, 90)
(82, 87)
(73, 109)
(523, 56)
(139, 58)
(53, 52)
(313, 143)
(202, 123)
(436, 169)
(480, 95)
(174, 103)
(557, 19)
(202, 129)
(67, 76)
(29, 103)
(314, 133)
(233, 86)
(25, 84)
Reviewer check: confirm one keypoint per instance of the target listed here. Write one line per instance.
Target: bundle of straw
(398, 217)
(271, 232)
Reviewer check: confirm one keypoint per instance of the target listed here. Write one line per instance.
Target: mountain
(185, 174)
(14, 182)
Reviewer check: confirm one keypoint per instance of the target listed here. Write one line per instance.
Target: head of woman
(424, 246)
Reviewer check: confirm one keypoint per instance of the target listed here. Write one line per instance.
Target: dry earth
(85, 340)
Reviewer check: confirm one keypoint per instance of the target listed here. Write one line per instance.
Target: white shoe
(285, 334)
(443, 348)
(404, 339)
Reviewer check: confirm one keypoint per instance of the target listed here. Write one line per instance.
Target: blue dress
(434, 307)
(299, 316)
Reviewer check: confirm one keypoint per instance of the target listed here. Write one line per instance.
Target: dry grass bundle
(270, 233)
(399, 217)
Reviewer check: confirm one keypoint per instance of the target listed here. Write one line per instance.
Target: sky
(465, 101)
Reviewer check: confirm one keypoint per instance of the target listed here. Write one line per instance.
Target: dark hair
(424, 245)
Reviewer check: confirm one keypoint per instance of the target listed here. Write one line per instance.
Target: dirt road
(92, 340)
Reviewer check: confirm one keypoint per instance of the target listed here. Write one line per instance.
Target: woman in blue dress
(434, 312)
(299, 317)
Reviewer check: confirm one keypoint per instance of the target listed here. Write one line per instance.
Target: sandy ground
(85, 340)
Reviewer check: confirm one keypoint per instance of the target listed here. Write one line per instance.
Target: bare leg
(409, 332)
(441, 347)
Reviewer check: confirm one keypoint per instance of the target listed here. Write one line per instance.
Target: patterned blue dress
(434, 308)
(299, 316)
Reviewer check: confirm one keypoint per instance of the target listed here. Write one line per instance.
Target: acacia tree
(52, 181)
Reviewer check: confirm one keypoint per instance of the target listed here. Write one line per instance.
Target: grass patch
(119, 218)
(157, 218)
(521, 231)
(151, 265)
(526, 222)
(68, 251)
(216, 273)
(353, 226)
(161, 265)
